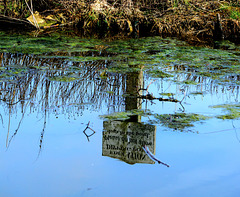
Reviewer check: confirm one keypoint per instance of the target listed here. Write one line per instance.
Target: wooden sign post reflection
(125, 140)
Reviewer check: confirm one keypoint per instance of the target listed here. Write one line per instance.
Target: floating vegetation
(232, 111)
(179, 121)
(10, 75)
(167, 94)
(62, 78)
(117, 116)
(158, 57)
(189, 82)
(126, 115)
(159, 74)
(28, 44)
(123, 67)
(161, 58)
(197, 93)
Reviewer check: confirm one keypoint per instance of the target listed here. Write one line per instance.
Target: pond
(134, 117)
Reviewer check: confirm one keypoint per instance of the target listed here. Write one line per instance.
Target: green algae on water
(160, 58)
(126, 115)
(232, 111)
(179, 121)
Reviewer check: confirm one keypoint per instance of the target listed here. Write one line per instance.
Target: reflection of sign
(124, 141)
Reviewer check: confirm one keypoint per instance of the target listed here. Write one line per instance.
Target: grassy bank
(192, 20)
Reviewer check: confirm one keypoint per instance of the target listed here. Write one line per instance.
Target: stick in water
(151, 156)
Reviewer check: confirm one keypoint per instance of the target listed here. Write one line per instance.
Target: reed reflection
(33, 84)
(30, 84)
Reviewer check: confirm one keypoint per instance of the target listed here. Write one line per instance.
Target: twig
(150, 97)
(151, 156)
(84, 131)
(150, 84)
(2, 120)
(9, 120)
(19, 124)
(236, 132)
(16, 102)
(31, 10)
(211, 132)
(42, 135)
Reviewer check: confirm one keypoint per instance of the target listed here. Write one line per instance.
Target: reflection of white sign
(124, 141)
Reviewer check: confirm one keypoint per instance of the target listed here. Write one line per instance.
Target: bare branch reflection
(34, 84)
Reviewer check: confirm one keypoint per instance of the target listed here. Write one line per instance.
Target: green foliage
(232, 9)
(235, 14)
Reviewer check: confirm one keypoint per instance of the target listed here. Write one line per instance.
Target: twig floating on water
(84, 131)
(151, 156)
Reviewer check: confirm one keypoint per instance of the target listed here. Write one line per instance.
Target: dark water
(76, 124)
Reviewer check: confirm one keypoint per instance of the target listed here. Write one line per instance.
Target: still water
(144, 117)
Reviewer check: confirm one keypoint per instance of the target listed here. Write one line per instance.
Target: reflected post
(125, 140)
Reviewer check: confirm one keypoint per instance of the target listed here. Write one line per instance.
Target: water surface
(77, 113)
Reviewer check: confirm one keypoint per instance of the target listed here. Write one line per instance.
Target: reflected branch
(151, 156)
(9, 121)
(17, 102)
(87, 127)
(236, 132)
(19, 124)
(42, 134)
(2, 120)
(183, 108)
(212, 132)
(151, 97)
